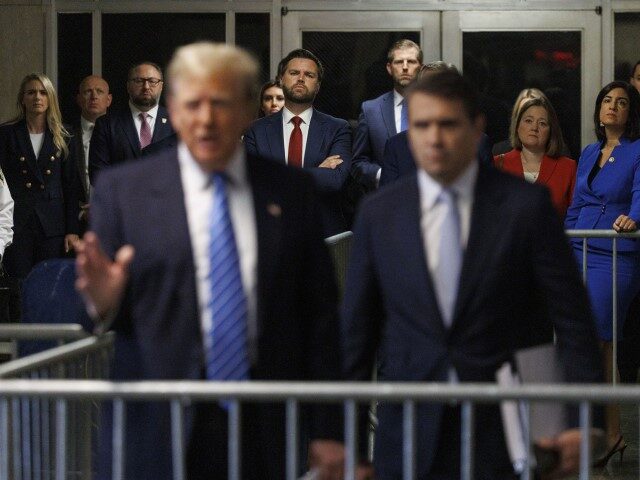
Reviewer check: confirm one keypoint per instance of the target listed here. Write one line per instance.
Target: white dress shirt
(6, 215)
(397, 110)
(151, 118)
(37, 139)
(287, 129)
(87, 131)
(198, 200)
(432, 214)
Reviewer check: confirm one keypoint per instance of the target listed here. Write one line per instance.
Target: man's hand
(332, 161)
(327, 458)
(625, 224)
(70, 242)
(101, 282)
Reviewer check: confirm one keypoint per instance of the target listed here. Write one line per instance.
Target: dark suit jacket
(327, 136)
(614, 191)
(557, 174)
(115, 139)
(375, 125)
(518, 279)
(46, 185)
(159, 333)
(83, 181)
(398, 160)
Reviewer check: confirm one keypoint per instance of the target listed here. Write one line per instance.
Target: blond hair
(54, 117)
(204, 59)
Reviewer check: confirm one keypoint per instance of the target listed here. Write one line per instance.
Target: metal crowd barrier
(612, 234)
(63, 393)
(39, 438)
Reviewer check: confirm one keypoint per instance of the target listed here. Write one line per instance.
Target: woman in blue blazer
(40, 169)
(607, 195)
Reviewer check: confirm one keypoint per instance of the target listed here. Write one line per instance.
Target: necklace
(532, 172)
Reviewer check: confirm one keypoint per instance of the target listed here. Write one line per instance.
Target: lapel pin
(164, 120)
(611, 159)
(274, 209)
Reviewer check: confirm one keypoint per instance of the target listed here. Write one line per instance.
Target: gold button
(47, 172)
(28, 185)
(52, 158)
(41, 187)
(24, 171)
(22, 159)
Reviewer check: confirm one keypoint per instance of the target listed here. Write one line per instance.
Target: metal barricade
(614, 236)
(12, 333)
(179, 393)
(42, 436)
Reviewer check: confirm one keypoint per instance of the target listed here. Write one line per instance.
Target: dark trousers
(495, 466)
(30, 246)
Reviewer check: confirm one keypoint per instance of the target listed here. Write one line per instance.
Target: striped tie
(227, 357)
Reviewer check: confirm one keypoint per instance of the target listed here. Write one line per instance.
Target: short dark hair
(632, 129)
(404, 43)
(633, 70)
(154, 65)
(300, 53)
(555, 144)
(449, 84)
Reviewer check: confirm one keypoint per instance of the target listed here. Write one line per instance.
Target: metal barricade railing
(179, 393)
(614, 236)
(41, 436)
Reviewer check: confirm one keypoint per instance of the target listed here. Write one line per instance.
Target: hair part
(401, 45)
(207, 59)
(555, 143)
(300, 53)
(450, 85)
(266, 86)
(54, 117)
(632, 128)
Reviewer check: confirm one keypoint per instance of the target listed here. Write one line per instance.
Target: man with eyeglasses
(124, 134)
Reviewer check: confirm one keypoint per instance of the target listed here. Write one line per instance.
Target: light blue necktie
(404, 117)
(447, 274)
(227, 358)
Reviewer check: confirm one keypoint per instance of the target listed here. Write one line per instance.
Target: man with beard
(121, 135)
(301, 136)
(385, 116)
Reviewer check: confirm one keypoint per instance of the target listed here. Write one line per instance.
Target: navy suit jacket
(375, 125)
(115, 139)
(518, 279)
(46, 185)
(327, 136)
(398, 160)
(158, 329)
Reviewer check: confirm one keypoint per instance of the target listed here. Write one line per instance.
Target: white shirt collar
(153, 113)
(236, 168)
(287, 115)
(86, 124)
(397, 98)
(463, 186)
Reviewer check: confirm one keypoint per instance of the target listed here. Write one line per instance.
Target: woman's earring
(601, 124)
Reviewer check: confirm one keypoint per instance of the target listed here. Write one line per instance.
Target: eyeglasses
(139, 81)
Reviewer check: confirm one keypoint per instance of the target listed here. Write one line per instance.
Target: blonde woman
(40, 170)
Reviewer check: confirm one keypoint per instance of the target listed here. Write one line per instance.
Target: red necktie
(295, 144)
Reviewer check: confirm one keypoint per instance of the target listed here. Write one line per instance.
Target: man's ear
(109, 100)
(389, 70)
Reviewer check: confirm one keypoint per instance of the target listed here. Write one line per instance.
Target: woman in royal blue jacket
(607, 195)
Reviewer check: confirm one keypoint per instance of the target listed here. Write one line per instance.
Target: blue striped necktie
(227, 357)
(404, 116)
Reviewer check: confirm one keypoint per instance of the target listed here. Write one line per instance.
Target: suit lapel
(547, 167)
(275, 137)
(25, 146)
(483, 231)
(162, 126)
(388, 114)
(412, 245)
(125, 122)
(315, 139)
(268, 229)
